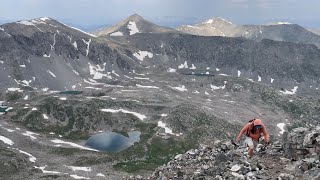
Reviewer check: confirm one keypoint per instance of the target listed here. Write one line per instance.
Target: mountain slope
(277, 31)
(132, 25)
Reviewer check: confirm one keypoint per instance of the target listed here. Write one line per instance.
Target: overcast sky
(93, 12)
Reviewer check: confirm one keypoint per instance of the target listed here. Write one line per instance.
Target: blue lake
(112, 142)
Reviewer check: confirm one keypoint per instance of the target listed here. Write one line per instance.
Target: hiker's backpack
(252, 128)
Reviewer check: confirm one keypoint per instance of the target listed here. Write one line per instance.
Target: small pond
(112, 142)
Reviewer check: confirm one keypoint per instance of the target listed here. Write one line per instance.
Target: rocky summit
(141, 101)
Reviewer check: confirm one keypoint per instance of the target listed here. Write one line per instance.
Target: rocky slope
(276, 31)
(296, 158)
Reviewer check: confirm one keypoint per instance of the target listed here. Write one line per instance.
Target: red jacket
(256, 135)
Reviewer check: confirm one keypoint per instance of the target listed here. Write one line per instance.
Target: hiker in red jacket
(253, 132)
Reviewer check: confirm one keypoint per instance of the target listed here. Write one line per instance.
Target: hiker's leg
(251, 146)
(250, 152)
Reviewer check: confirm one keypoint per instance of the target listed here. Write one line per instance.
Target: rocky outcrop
(227, 160)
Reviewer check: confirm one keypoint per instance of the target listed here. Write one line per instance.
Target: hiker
(253, 132)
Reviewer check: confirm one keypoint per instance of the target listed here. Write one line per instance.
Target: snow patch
(45, 171)
(75, 45)
(180, 88)
(184, 65)
(213, 87)
(45, 116)
(53, 75)
(101, 175)
(272, 80)
(151, 87)
(26, 97)
(31, 135)
(140, 116)
(6, 140)
(63, 98)
(15, 89)
(164, 115)
(142, 54)
(34, 109)
(281, 126)
(88, 45)
(78, 177)
(132, 26)
(259, 78)
(193, 67)
(118, 33)
(58, 141)
(166, 129)
(75, 72)
(171, 70)
(290, 92)
(239, 73)
(77, 168)
(217, 69)
(95, 71)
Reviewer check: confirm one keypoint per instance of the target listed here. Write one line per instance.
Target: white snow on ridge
(78, 177)
(290, 92)
(282, 23)
(140, 116)
(77, 168)
(209, 21)
(53, 75)
(281, 126)
(152, 87)
(118, 33)
(142, 54)
(180, 88)
(27, 23)
(132, 26)
(44, 18)
(1, 29)
(272, 80)
(58, 141)
(6, 140)
(79, 30)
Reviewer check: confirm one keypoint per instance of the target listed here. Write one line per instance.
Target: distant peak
(135, 17)
(217, 20)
